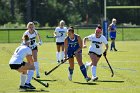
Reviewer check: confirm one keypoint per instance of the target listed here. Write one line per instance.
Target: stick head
(46, 73)
(112, 75)
(47, 85)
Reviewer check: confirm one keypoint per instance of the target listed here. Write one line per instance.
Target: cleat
(22, 87)
(115, 49)
(88, 79)
(62, 60)
(70, 77)
(58, 61)
(94, 78)
(38, 76)
(111, 50)
(29, 86)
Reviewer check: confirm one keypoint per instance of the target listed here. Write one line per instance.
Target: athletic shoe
(29, 86)
(94, 78)
(115, 49)
(37, 75)
(88, 79)
(111, 50)
(22, 87)
(70, 77)
(62, 60)
(58, 61)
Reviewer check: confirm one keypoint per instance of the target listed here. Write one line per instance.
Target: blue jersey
(113, 31)
(73, 45)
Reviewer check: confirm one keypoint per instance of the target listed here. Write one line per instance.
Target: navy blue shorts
(17, 66)
(71, 54)
(113, 35)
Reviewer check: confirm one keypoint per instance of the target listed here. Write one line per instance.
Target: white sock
(22, 79)
(93, 70)
(29, 76)
(58, 56)
(88, 63)
(36, 64)
(62, 55)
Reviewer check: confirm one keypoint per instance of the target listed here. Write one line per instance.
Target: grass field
(124, 62)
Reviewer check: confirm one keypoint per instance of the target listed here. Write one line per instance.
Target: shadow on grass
(31, 90)
(47, 80)
(119, 51)
(110, 81)
(88, 83)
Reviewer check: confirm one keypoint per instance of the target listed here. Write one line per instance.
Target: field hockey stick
(52, 36)
(47, 73)
(46, 85)
(109, 66)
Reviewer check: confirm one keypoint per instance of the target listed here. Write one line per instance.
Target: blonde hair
(62, 21)
(30, 23)
(113, 20)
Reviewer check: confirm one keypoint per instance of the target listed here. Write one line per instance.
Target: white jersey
(61, 33)
(97, 43)
(20, 53)
(32, 37)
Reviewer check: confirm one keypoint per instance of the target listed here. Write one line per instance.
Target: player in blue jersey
(73, 47)
(112, 30)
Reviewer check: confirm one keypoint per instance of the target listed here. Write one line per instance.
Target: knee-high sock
(83, 70)
(62, 55)
(23, 79)
(112, 45)
(70, 70)
(58, 56)
(36, 64)
(29, 76)
(93, 70)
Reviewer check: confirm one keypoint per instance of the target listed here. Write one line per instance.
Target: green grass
(125, 34)
(125, 64)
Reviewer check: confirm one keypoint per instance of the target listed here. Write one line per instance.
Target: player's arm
(39, 38)
(54, 34)
(30, 59)
(106, 46)
(109, 27)
(65, 47)
(84, 42)
(80, 44)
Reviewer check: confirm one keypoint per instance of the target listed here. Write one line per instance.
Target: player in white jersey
(16, 62)
(95, 49)
(32, 33)
(60, 33)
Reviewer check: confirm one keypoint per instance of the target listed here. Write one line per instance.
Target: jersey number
(61, 34)
(97, 46)
(32, 42)
(18, 50)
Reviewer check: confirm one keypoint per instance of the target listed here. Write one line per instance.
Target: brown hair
(26, 38)
(71, 29)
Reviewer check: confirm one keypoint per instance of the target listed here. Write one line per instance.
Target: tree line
(50, 12)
